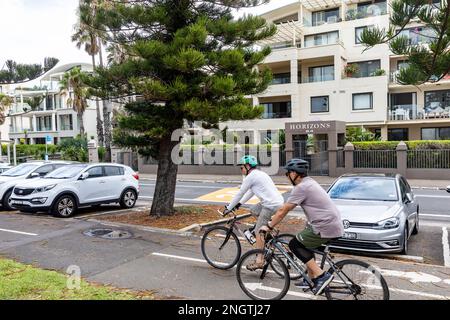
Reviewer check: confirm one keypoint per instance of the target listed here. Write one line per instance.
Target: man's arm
(246, 185)
(281, 213)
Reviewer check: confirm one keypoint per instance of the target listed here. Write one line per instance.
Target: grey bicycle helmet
(297, 165)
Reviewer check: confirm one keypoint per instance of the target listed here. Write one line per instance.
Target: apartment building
(316, 43)
(52, 117)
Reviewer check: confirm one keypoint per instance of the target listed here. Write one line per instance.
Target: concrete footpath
(415, 183)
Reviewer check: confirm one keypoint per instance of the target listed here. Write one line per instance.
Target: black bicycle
(222, 248)
(353, 279)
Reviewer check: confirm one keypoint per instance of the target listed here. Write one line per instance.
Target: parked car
(65, 190)
(379, 212)
(24, 172)
(448, 188)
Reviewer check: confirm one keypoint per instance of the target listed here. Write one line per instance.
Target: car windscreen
(20, 170)
(66, 172)
(367, 188)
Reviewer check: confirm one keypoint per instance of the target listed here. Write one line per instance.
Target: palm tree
(87, 36)
(5, 103)
(75, 80)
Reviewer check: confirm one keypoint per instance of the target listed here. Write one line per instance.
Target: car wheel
(5, 203)
(128, 199)
(405, 241)
(64, 207)
(416, 225)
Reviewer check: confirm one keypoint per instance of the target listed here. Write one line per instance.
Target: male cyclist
(324, 221)
(258, 183)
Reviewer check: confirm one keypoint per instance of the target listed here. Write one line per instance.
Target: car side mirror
(34, 175)
(409, 198)
(84, 176)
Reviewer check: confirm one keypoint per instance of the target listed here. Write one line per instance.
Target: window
(320, 104)
(322, 73)
(418, 35)
(436, 133)
(362, 101)
(366, 68)
(281, 78)
(113, 171)
(44, 170)
(322, 39)
(401, 64)
(95, 172)
(437, 101)
(66, 122)
(358, 32)
(325, 16)
(398, 134)
(276, 110)
(44, 123)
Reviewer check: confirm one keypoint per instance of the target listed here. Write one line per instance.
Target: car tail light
(136, 176)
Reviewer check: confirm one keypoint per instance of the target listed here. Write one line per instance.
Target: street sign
(49, 139)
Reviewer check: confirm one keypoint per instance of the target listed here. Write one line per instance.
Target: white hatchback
(65, 190)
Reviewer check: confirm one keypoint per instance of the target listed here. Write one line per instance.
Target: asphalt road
(171, 265)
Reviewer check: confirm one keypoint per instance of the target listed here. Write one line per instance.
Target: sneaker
(321, 283)
(303, 284)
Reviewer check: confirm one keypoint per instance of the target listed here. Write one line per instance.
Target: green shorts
(310, 239)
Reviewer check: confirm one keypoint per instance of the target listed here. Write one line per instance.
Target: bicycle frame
(325, 258)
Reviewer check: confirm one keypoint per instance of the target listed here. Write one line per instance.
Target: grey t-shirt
(321, 212)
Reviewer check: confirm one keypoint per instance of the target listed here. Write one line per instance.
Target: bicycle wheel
(221, 247)
(365, 282)
(263, 284)
(293, 273)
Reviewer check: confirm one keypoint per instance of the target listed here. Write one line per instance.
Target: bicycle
(267, 284)
(222, 249)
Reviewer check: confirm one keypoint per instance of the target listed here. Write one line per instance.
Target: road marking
(445, 245)
(434, 215)
(19, 232)
(431, 196)
(258, 286)
(186, 186)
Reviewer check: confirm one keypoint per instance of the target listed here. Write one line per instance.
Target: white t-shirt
(258, 183)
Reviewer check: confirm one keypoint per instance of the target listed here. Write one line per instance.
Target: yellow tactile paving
(227, 194)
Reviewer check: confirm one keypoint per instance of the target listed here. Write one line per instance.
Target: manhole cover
(108, 234)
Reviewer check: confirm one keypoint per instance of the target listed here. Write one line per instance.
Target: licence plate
(350, 235)
(16, 202)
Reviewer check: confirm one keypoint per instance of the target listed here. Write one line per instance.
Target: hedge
(412, 145)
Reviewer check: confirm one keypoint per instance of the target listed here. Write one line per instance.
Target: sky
(31, 30)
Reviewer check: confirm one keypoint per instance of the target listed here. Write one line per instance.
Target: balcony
(411, 112)
(366, 10)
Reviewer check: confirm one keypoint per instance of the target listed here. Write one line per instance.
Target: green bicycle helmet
(248, 159)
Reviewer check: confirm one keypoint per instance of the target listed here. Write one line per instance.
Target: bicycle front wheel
(221, 247)
(262, 284)
(356, 280)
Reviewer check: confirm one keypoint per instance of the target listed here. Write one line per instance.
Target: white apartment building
(53, 117)
(315, 41)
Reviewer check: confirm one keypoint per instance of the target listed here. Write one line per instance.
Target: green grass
(23, 282)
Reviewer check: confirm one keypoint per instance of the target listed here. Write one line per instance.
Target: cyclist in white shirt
(257, 183)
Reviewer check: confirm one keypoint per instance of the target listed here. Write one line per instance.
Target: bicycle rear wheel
(356, 280)
(263, 284)
(221, 247)
(293, 273)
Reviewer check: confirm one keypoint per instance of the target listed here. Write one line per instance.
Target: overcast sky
(31, 30)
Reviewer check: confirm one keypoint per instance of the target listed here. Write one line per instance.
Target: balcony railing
(276, 115)
(408, 112)
(321, 78)
(371, 10)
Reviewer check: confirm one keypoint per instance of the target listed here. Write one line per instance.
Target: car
(65, 190)
(4, 167)
(24, 172)
(448, 188)
(379, 212)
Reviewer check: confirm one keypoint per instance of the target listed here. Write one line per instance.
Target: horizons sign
(311, 127)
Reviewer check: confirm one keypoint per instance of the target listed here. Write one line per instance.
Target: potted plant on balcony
(350, 15)
(350, 69)
(378, 72)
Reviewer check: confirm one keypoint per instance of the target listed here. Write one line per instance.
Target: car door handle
(102, 181)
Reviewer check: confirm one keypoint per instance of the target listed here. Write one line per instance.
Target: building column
(255, 101)
(34, 123)
(45, 102)
(294, 71)
(338, 66)
(53, 122)
(384, 133)
(343, 10)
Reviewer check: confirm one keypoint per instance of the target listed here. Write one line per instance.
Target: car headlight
(390, 223)
(43, 189)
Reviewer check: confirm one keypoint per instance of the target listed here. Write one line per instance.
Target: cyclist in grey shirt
(324, 221)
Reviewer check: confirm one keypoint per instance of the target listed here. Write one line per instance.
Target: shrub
(412, 145)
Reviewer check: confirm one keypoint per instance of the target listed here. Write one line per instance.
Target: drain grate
(108, 234)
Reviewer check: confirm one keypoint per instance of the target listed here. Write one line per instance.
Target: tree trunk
(100, 136)
(166, 180)
(108, 134)
(80, 121)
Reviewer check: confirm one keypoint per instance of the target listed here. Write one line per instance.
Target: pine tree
(429, 56)
(186, 60)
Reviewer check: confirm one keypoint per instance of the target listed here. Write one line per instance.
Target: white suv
(24, 172)
(66, 189)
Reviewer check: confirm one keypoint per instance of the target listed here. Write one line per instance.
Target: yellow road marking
(227, 194)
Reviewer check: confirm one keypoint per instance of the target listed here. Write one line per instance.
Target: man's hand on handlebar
(227, 211)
